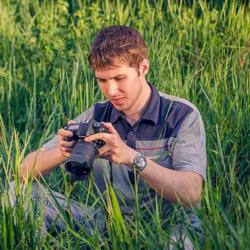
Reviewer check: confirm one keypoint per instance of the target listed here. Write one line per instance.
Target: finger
(71, 122)
(98, 136)
(105, 155)
(67, 154)
(65, 150)
(67, 144)
(63, 139)
(110, 128)
(104, 150)
(64, 133)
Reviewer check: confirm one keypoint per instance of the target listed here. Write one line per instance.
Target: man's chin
(121, 108)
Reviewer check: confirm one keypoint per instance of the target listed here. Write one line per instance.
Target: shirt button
(131, 133)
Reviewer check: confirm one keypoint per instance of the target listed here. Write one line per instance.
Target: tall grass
(198, 50)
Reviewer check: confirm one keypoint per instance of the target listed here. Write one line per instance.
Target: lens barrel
(81, 158)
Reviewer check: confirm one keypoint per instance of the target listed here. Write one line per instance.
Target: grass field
(198, 51)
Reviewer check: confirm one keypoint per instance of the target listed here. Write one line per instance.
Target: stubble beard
(132, 104)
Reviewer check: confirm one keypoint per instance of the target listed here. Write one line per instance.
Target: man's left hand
(114, 149)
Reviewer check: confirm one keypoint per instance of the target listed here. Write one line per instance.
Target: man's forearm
(176, 186)
(40, 162)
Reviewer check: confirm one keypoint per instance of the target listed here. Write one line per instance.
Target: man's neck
(140, 105)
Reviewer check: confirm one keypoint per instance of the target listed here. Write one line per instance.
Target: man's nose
(112, 89)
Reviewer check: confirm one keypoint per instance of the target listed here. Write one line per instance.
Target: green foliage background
(198, 50)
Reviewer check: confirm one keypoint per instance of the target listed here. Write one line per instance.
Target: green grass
(197, 50)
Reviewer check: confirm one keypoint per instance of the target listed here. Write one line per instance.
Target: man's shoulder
(179, 102)
(179, 113)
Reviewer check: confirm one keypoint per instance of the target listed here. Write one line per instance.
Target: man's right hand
(41, 162)
(65, 146)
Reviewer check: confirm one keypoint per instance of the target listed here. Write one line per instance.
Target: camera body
(83, 153)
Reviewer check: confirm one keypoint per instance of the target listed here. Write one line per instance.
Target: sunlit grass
(198, 51)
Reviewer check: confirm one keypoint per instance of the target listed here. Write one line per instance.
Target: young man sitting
(159, 137)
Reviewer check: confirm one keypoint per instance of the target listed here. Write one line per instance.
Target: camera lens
(77, 169)
(81, 159)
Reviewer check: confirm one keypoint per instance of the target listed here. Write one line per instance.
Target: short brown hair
(117, 44)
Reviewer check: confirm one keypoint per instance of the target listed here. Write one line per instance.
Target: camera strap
(111, 173)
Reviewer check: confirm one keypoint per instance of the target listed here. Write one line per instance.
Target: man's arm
(183, 183)
(176, 186)
(42, 161)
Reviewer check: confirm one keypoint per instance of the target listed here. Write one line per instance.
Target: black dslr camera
(83, 153)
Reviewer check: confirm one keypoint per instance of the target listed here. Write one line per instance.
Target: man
(158, 136)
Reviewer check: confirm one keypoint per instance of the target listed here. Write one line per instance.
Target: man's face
(122, 85)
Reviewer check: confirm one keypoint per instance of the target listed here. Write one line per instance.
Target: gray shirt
(170, 132)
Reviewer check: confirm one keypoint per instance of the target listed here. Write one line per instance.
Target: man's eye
(102, 80)
(120, 78)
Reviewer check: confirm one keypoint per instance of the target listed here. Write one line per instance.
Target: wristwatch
(140, 162)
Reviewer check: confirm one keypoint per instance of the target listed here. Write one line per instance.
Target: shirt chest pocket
(158, 152)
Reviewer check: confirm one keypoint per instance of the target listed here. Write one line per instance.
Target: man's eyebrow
(117, 76)
(98, 78)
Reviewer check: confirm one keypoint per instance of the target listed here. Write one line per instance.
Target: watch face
(140, 162)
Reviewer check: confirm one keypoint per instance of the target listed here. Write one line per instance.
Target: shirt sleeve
(189, 147)
(54, 141)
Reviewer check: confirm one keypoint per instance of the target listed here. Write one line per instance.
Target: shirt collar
(151, 112)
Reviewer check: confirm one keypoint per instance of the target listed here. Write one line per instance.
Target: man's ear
(144, 67)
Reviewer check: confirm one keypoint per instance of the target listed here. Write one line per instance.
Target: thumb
(71, 122)
(110, 127)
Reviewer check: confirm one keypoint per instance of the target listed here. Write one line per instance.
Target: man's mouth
(117, 101)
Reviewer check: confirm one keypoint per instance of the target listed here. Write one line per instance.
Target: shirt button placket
(131, 139)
